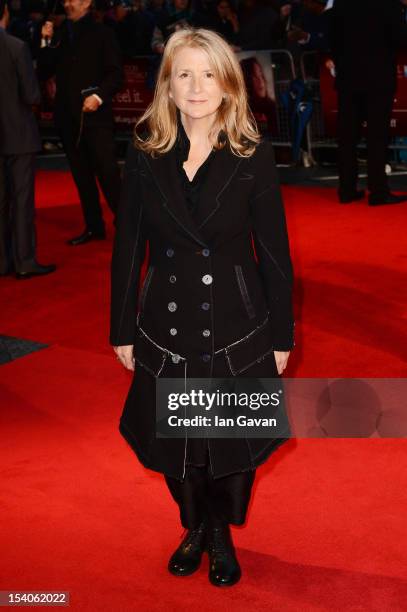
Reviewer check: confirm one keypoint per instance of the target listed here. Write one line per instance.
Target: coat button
(206, 332)
(173, 331)
(207, 279)
(205, 252)
(173, 278)
(205, 306)
(206, 357)
(172, 307)
(170, 252)
(175, 358)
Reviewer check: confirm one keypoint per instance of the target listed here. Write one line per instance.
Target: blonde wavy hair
(233, 116)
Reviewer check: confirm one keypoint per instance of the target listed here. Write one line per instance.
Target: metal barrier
(283, 67)
(316, 138)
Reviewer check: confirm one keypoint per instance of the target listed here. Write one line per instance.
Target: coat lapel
(222, 170)
(164, 172)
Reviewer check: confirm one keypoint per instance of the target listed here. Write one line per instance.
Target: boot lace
(192, 538)
(218, 544)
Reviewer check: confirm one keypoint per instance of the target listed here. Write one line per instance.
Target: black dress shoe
(85, 237)
(37, 270)
(389, 198)
(224, 569)
(354, 197)
(187, 558)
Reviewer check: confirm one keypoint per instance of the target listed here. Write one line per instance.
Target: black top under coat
(192, 188)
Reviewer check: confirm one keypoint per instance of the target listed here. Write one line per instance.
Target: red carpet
(326, 528)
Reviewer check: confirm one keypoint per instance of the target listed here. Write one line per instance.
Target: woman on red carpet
(200, 186)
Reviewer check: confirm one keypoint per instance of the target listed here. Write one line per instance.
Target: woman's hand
(281, 358)
(125, 355)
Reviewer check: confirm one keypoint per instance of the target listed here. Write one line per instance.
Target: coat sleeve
(128, 255)
(269, 230)
(113, 76)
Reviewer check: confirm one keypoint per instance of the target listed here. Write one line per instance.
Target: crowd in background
(79, 63)
(143, 26)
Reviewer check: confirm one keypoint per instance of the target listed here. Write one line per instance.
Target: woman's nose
(196, 84)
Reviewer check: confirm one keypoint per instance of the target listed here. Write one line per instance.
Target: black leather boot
(224, 568)
(187, 558)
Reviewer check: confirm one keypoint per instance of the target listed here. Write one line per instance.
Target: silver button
(206, 357)
(172, 307)
(206, 332)
(173, 278)
(205, 306)
(205, 252)
(175, 358)
(207, 279)
(170, 252)
(173, 331)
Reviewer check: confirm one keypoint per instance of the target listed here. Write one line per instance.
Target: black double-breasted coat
(207, 307)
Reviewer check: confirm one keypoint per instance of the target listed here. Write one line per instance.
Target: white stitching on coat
(272, 258)
(244, 338)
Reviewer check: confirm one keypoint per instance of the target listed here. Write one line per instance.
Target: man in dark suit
(86, 60)
(365, 36)
(19, 140)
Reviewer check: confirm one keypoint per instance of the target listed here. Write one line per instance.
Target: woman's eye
(183, 74)
(209, 75)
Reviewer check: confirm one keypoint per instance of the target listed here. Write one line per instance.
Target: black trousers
(353, 109)
(94, 157)
(17, 212)
(215, 501)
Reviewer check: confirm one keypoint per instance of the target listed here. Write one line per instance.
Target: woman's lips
(197, 101)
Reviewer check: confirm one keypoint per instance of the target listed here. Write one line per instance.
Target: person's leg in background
(6, 254)
(20, 210)
(80, 162)
(101, 144)
(350, 118)
(380, 106)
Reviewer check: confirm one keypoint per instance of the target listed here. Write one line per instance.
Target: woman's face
(259, 82)
(193, 86)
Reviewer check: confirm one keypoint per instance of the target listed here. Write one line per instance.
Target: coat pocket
(251, 349)
(145, 288)
(244, 292)
(148, 355)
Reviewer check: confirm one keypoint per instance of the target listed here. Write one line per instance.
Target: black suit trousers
(17, 212)
(353, 109)
(94, 157)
